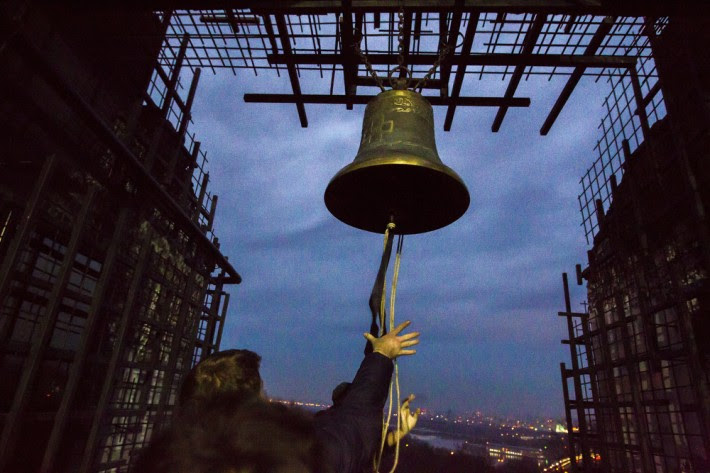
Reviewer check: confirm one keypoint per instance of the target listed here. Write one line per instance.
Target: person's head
(227, 435)
(340, 392)
(234, 372)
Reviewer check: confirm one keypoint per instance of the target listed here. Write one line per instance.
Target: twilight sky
(484, 292)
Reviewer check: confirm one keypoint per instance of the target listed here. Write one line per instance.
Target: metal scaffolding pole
(127, 317)
(46, 328)
(79, 361)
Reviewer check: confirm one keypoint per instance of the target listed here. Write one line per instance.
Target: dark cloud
(484, 291)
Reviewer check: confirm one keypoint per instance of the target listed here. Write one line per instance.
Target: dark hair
(340, 392)
(224, 435)
(228, 371)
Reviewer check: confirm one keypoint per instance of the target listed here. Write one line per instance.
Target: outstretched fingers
(401, 327)
(407, 336)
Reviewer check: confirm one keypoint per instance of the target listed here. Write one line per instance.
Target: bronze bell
(397, 174)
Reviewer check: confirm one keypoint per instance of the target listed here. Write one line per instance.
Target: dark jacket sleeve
(349, 434)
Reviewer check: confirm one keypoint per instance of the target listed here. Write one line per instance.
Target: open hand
(407, 422)
(392, 344)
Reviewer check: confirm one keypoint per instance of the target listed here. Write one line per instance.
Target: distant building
(111, 283)
(498, 454)
(641, 352)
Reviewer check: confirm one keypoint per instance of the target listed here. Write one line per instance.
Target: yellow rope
(395, 382)
(395, 277)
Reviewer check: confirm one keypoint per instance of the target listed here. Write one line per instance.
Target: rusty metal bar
(46, 328)
(527, 49)
(568, 417)
(461, 69)
(367, 81)
(222, 318)
(25, 227)
(445, 68)
(604, 346)
(496, 59)
(175, 75)
(348, 57)
(213, 209)
(208, 344)
(187, 112)
(127, 316)
(579, 396)
(104, 132)
(292, 73)
(175, 347)
(555, 7)
(635, 382)
(592, 367)
(594, 43)
(79, 359)
(363, 99)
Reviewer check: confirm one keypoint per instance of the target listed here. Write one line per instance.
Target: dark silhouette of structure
(111, 281)
(641, 356)
(111, 284)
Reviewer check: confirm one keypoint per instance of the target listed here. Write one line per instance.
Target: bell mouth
(419, 194)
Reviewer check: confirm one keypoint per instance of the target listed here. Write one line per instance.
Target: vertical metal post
(203, 192)
(127, 316)
(568, 418)
(187, 111)
(46, 328)
(632, 370)
(213, 210)
(222, 318)
(192, 339)
(77, 366)
(579, 397)
(25, 227)
(179, 330)
(638, 98)
(170, 91)
(182, 129)
(610, 380)
(209, 344)
(593, 380)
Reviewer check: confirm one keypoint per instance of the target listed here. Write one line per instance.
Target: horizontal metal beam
(568, 7)
(542, 60)
(363, 99)
(367, 81)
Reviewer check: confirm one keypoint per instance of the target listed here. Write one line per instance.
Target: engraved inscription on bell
(397, 172)
(402, 105)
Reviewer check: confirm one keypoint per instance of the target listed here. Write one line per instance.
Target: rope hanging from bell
(396, 184)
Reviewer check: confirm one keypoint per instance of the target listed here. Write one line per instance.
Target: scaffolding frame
(638, 347)
(112, 283)
(315, 46)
